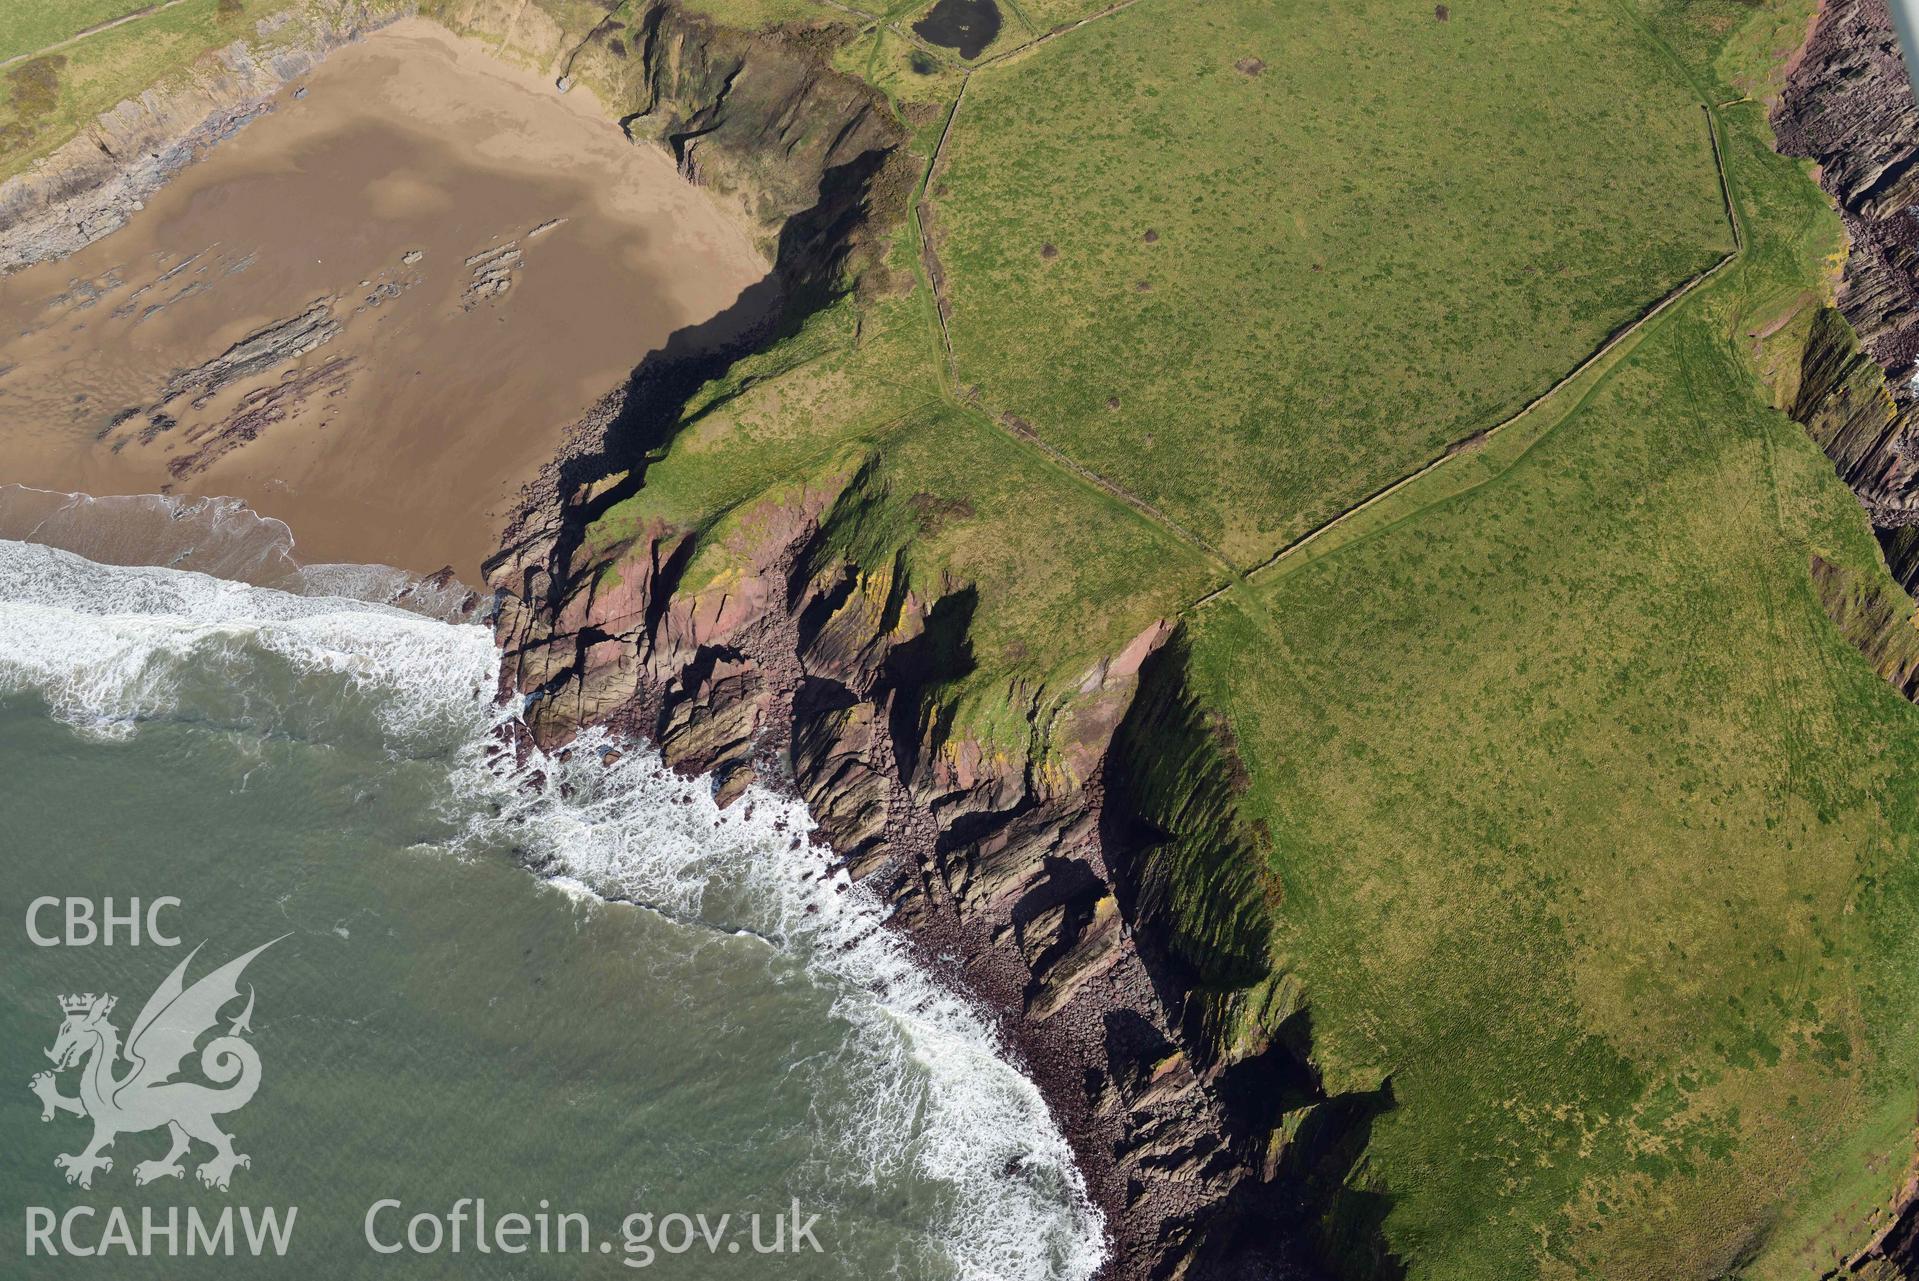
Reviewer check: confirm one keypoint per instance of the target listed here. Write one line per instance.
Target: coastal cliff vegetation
(1301, 544)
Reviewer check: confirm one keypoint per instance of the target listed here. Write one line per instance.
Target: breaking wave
(107, 647)
(222, 537)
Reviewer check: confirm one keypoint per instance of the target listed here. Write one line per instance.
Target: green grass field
(35, 24)
(1594, 836)
(1580, 824)
(1392, 235)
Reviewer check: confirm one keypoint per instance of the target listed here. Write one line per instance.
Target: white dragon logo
(145, 1098)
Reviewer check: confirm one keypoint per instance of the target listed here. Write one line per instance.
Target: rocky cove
(809, 672)
(1036, 876)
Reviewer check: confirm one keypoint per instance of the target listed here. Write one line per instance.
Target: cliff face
(758, 118)
(766, 656)
(90, 186)
(1839, 394)
(1877, 619)
(1849, 106)
(760, 650)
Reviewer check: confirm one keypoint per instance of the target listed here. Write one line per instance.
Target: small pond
(966, 26)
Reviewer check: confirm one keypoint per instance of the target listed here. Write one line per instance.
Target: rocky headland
(1044, 878)
(801, 668)
(1036, 878)
(1040, 871)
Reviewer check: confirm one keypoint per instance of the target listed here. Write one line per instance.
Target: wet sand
(373, 313)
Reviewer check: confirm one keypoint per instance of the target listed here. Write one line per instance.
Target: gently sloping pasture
(1595, 837)
(1254, 261)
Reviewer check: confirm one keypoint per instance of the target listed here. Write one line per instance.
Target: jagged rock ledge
(798, 669)
(1848, 106)
(756, 652)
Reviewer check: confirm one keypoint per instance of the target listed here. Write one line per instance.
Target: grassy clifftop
(1591, 828)
(1253, 262)
(1564, 804)
(1538, 811)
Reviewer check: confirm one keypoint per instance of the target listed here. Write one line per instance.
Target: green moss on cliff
(1200, 872)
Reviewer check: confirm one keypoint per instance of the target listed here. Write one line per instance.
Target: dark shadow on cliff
(809, 273)
(941, 653)
(1192, 872)
(1312, 1217)
(1191, 876)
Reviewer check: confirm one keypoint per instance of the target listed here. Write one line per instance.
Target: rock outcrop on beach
(91, 185)
(757, 118)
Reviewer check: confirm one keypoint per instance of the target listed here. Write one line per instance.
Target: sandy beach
(372, 314)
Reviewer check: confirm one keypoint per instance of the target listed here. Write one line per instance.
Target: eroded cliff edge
(787, 642)
(1848, 106)
(1851, 375)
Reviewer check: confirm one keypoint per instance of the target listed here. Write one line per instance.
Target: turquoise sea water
(439, 1024)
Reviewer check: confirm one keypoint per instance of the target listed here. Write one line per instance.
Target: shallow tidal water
(435, 1022)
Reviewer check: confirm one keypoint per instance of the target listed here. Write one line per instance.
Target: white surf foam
(220, 536)
(108, 646)
(635, 831)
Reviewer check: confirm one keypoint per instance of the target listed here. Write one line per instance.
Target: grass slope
(946, 498)
(1391, 236)
(1582, 825)
(1594, 835)
(34, 24)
